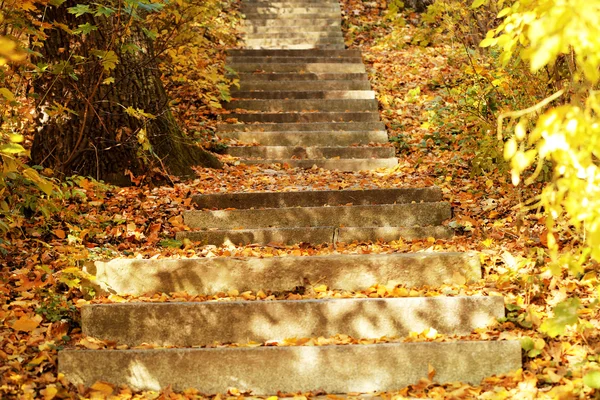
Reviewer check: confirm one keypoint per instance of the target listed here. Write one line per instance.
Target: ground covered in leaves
(43, 284)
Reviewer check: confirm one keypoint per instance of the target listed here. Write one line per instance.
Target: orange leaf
(27, 324)
(103, 387)
(60, 233)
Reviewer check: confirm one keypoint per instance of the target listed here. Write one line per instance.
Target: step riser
(301, 45)
(245, 200)
(329, 15)
(221, 274)
(277, 12)
(320, 235)
(422, 214)
(332, 369)
(342, 165)
(175, 324)
(323, 128)
(291, 86)
(307, 117)
(341, 105)
(307, 138)
(293, 60)
(338, 68)
(268, 77)
(295, 35)
(302, 153)
(294, 53)
(289, 2)
(309, 95)
(288, 28)
(313, 22)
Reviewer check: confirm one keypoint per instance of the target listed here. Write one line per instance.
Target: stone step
(306, 105)
(307, 117)
(300, 45)
(281, 23)
(277, 5)
(293, 53)
(302, 152)
(294, 43)
(271, 370)
(177, 323)
(297, 94)
(293, 60)
(288, 76)
(291, 86)
(407, 214)
(338, 164)
(338, 271)
(325, 127)
(291, 2)
(317, 198)
(316, 68)
(274, 11)
(294, 16)
(303, 138)
(294, 35)
(287, 28)
(314, 235)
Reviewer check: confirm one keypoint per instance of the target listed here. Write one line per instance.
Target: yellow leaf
(49, 392)
(320, 288)
(103, 387)
(26, 324)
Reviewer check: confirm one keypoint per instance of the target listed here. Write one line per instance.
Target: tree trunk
(105, 122)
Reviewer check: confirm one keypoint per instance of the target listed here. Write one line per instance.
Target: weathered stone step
(294, 35)
(291, 2)
(287, 94)
(293, 53)
(303, 138)
(339, 271)
(288, 4)
(290, 76)
(274, 11)
(307, 117)
(344, 165)
(301, 152)
(293, 60)
(313, 23)
(317, 198)
(407, 214)
(314, 235)
(332, 369)
(325, 127)
(294, 16)
(297, 105)
(290, 86)
(291, 43)
(178, 323)
(287, 28)
(300, 45)
(316, 68)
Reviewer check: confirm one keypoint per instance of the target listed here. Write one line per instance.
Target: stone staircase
(184, 343)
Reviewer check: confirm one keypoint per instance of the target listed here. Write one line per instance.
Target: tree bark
(90, 131)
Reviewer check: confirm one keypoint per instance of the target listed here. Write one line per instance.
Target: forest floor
(43, 286)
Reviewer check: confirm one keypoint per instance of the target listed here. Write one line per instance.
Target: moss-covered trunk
(105, 122)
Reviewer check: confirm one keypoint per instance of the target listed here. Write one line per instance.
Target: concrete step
(407, 214)
(338, 164)
(280, 23)
(293, 60)
(303, 138)
(298, 105)
(294, 16)
(293, 53)
(301, 152)
(339, 271)
(289, 76)
(314, 235)
(317, 198)
(325, 127)
(290, 86)
(300, 45)
(297, 94)
(272, 11)
(294, 35)
(287, 28)
(307, 117)
(290, 2)
(332, 369)
(316, 68)
(176, 323)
